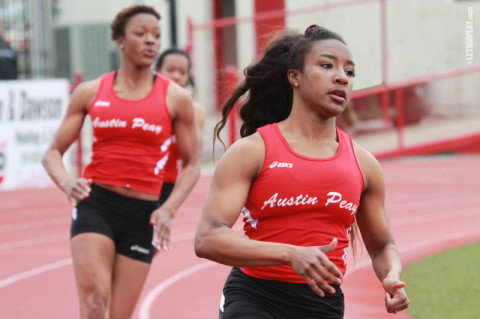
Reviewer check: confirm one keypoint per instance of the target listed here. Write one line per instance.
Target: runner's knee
(95, 304)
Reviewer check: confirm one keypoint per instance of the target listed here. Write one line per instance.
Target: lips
(338, 95)
(149, 52)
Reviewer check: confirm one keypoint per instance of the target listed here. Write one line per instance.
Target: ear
(294, 76)
(120, 43)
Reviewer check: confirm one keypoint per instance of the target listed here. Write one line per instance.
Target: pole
(385, 101)
(173, 22)
(232, 80)
(400, 104)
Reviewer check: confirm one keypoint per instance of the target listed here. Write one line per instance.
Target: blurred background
(417, 66)
(416, 92)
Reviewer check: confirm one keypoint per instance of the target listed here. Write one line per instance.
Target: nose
(176, 77)
(341, 78)
(150, 38)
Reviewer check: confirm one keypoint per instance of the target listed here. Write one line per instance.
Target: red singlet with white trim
(302, 201)
(127, 137)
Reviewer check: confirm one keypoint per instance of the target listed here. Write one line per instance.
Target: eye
(139, 33)
(157, 36)
(350, 73)
(326, 65)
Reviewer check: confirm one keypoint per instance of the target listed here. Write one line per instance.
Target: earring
(297, 84)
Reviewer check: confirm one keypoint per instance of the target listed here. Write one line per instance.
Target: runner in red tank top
(175, 64)
(301, 184)
(117, 223)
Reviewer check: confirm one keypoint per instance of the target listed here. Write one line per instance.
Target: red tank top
(127, 137)
(302, 201)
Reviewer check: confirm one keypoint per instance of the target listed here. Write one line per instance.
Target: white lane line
(34, 224)
(147, 302)
(32, 241)
(62, 263)
(434, 217)
(170, 280)
(184, 236)
(416, 246)
(35, 271)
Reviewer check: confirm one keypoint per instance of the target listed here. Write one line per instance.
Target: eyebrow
(335, 58)
(143, 25)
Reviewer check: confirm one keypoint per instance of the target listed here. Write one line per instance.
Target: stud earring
(297, 84)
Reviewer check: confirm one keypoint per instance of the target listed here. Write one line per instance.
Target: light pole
(173, 22)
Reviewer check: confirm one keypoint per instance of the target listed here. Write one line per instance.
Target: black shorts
(167, 189)
(124, 219)
(252, 298)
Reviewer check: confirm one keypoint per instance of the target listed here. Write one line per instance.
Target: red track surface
(432, 202)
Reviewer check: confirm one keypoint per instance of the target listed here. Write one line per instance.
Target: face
(141, 41)
(175, 67)
(327, 78)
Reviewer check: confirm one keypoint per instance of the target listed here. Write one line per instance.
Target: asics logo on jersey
(278, 164)
(140, 249)
(102, 103)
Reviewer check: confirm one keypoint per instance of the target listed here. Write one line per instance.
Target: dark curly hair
(117, 26)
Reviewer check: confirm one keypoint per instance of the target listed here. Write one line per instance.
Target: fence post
(400, 106)
(231, 74)
(189, 46)
(385, 104)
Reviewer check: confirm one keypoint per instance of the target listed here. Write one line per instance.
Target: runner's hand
(161, 221)
(395, 296)
(314, 266)
(77, 189)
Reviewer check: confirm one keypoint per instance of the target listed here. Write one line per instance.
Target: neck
(132, 75)
(309, 124)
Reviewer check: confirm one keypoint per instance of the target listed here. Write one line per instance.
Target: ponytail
(269, 98)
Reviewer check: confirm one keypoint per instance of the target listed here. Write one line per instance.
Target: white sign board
(30, 113)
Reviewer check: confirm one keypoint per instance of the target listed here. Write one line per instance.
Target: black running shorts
(124, 219)
(248, 297)
(167, 189)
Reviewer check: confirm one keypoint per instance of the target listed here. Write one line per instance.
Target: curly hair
(117, 26)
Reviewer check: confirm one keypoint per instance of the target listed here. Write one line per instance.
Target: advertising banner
(30, 114)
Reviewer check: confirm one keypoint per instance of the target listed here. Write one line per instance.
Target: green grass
(445, 285)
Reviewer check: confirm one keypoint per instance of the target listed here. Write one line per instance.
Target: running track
(433, 205)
